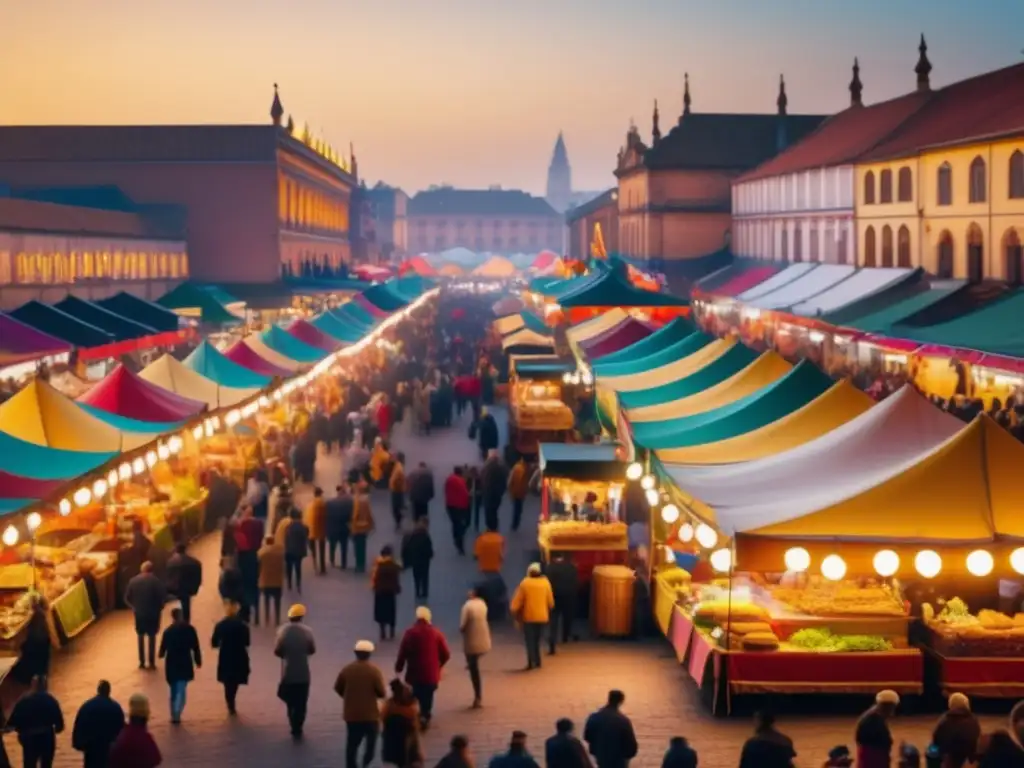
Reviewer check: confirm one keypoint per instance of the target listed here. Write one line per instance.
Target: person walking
(249, 534)
(97, 725)
(231, 638)
(37, 647)
(417, 552)
(135, 746)
(456, 501)
(315, 519)
(565, 584)
(397, 489)
(531, 605)
(516, 757)
(487, 434)
(184, 578)
(476, 640)
(680, 754)
(421, 490)
(767, 748)
(361, 685)
(37, 719)
(957, 733)
(610, 735)
(145, 595)
(296, 547)
(362, 525)
(401, 737)
(179, 646)
(874, 739)
(458, 754)
(564, 750)
(271, 582)
(476, 493)
(338, 518)
(518, 488)
(386, 582)
(493, 481)
(294, 646)
(421, 655)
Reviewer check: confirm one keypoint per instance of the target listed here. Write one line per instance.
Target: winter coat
(296, 540)
(679, 755)
(97, 724)
(361, 685)
(456, 493)
(489, 551)
(378, 461)
(396, 483)
(338, 517)
(422, 653)
(146, 595)
(493, 480)
(956, 736)
(179, 645)
(421, 485)
(476, 632)
(487, 433)
(874, 741)
(230, 586)
(417, 549)
(768, 748)
(362, 516)
(315, 519)
(533, 600)
(564, 750)
(386, 578)
(135, 748)
(512, 759)
(519, 481)
(271, 560)
(231, 637)
(294, 646)
(184, 575)
(282, 528)
(400, 740)
(565, 580)
(611, 738)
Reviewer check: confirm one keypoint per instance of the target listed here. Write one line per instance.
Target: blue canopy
(352, 313)
(718, 370)
(285, 344)
(386, 297)
(684, 348)
(13, 505)
(39, 462)
(337, 328)
(677, 330)
(128, 424)
(207, 361)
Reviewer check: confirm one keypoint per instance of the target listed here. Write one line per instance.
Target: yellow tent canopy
(596, 325)
(496, 266)
(451, 270)
(526, 337)
(835, 407)
(175, 376)
(509, 323)
(41, 415)
(763, 371)
(670, 372)
(257, 345)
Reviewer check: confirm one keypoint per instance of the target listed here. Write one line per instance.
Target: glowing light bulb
(833, 568)
(10, 536)
(706, 536)
(138, 466)
(1017, 560)
(721, 560)
(64, 507)
(634, 471)
(32, 521)
(797, 559)
(686, 533)
(980, 563)
(670, 513)
(928, 563)
(886, 563)
(82, 496)
(647, 482)
(99, 488)
(653, 497)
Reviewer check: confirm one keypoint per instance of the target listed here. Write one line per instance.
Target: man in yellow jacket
(518, 487)
(316, 521)
(531, 606)
(397, 487)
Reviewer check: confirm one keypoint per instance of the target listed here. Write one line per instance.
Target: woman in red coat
(421, 655)
(456, 501)
(385, 417)
(135, 746)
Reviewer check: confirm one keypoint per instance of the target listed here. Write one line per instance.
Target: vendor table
(993, 678)
(721, 673)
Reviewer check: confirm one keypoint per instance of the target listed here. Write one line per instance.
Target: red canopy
(372, 272)
(619, 336)
(544, 260)
(246, 356)
(419, 265)
(309, 334)
(122, 393)
(18, 487)
(369, 306)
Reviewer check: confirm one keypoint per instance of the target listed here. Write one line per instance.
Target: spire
(783, 101)
(856, 86)
(686, 93)
(276, 110)
(560, 157)
(655, 128)
(290, 126)
(924, 67)
(353, 167)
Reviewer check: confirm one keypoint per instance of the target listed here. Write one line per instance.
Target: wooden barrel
(611, 600)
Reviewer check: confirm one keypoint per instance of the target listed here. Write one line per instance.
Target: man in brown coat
(271, 579)
(361, 685)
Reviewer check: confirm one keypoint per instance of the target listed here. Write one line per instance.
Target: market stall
(538, 405)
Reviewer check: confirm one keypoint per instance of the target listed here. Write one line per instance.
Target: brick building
(602, 211)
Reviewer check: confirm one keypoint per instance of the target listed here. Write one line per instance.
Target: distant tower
(559, 193)
(276, 110)
(923, 68)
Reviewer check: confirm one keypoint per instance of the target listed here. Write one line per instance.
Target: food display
(957, 632)
(15, 609)
(843, 598)
(571, 534)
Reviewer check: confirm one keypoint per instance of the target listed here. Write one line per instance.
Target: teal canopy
(882, 321)
(718, 370)
(207, 361)
(613, 289)
(544, 369)
(385, 297)
(413, 286)
(337, 328)
(544, 284)
(677, 330)
(354, 314)
(768, 404)
(692, 343)
(581, 461)
(39, 462)
(285, 344)
(13, 505)
(535, 323)
(994, 327)
(128, 424)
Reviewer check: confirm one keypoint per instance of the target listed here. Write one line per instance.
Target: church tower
(559, 193)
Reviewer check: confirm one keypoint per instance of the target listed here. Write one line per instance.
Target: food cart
(537, 398)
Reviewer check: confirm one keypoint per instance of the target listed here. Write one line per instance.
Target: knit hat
(423, 613)
(297, 611)
(138, 706)
(364, 646)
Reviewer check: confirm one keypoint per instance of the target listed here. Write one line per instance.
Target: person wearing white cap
(422, 654)
(361, 685)
(294, 646)
(179, 645)
(957, 733)
(874, 739)
(531, 606)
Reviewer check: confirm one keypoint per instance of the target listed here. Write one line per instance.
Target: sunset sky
(474, 92)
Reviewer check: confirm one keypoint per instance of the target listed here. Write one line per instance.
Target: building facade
(390, 209)
(493, 220)
(49, 250)
(582, 221)
(259, 200)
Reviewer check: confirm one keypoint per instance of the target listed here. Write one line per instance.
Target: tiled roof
(985, 106)
(726, 141)
(843, 138)
(608, 197)
(32, 216)
(478, 202)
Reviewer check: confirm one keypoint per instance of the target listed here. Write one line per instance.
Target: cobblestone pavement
(660, 700)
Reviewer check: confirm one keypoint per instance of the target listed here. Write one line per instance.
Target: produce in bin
(956, 632)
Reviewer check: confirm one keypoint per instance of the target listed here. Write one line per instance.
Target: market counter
(720, 673)
(992, 678)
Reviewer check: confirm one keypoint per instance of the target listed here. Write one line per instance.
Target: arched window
(885, 186)
(784, 242)
(798, 244)
(869, 247)
(944, 184)
(887, 246)
(903, 248)
(978, 191)
(1014, 257)
(1017, 175)
(905, 185)
(945, 261)
(975, 254)
(869, 188)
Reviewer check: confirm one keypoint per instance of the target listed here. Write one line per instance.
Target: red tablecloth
(987, 677)
(680, 631)
(794, 672)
